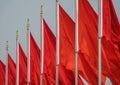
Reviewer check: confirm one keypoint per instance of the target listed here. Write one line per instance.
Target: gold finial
(28, 24)
(17, 35)
(41, 11)
(6, 45)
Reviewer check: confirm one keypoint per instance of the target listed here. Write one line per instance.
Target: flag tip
(17, 35)
(7, 45)
(41, 10)
(27, 19)
(28, 24)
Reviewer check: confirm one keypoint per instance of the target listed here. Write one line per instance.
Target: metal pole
(99, 42)
(42, 46)
(28, 52)
(57, 42)
(6, 62)
(76, 43)
(17, 60)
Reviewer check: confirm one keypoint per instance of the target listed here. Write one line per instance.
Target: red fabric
(47, 80)
(88, 36)
(22, 67)
(11, 71)
(111, 28)
(49, 51)
(2, 73)
(111, 40)
(34, 62)
(66, 77)
(66, 39)
(113, 59)
(87, 54)
(35, 65)
(111, 33)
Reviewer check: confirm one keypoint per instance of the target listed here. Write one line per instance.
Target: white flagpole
(6, 63)
(28, 52)
(57, 42)
(17, 60)
(42, 47)
(76, 42)
(100, 13)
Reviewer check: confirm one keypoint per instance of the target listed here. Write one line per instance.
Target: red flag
(11, 71)
(111, 28)
(88, 38)
(22, 66)
(35, 65)
(112, 55)
(111, 40)
(2, 73)
(66, 77)
(48, 78)
(67, 39)
(34, 62)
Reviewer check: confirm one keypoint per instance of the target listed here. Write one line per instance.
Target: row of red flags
(66, 77)
(88, 50)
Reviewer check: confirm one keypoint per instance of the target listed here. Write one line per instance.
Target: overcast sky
(14, 14)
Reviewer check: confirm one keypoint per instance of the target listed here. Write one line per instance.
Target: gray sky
(14, 13)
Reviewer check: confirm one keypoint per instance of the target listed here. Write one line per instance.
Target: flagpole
(76, 42)
(17, 60)
(57, 42)
(6, 62)
(28, 52)
(42, 47)
(99, 42)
